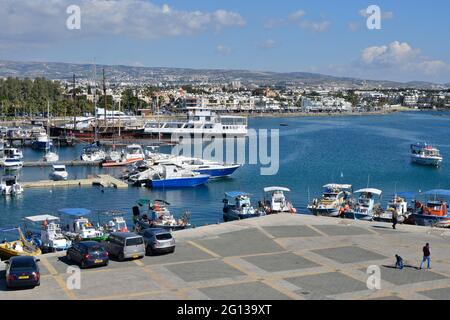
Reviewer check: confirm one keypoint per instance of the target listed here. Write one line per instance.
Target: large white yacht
(200, 121)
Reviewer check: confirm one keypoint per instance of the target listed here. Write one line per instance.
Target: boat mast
(47, 146)
(104, 97)
(95, 102)
(120, 118)
(73, 101)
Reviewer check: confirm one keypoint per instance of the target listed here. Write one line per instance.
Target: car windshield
(134, 241)
(23, 264)
(163, 236)
(96, 249)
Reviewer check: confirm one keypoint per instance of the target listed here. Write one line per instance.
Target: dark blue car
(22, 271)
(88, 254)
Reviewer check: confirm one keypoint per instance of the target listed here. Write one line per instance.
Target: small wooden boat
(20, 247)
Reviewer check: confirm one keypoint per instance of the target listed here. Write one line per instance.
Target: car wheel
(173, 250)
(68, 257)
(121, 256)
(83, 264)
(148, 251)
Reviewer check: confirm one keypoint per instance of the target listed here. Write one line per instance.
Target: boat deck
(274, 257)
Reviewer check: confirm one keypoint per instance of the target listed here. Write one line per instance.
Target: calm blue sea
(360, 150)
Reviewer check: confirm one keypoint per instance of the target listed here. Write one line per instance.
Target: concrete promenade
(274, 257)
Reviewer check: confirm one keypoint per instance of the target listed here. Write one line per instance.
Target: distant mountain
(155, 75)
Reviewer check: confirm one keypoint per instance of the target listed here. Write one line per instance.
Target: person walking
(426, 256)
(399, 262)
(394, 219)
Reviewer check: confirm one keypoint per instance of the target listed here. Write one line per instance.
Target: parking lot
(274, 257)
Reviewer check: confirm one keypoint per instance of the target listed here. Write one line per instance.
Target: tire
(121, 256)
(172, 251)
(148, 251)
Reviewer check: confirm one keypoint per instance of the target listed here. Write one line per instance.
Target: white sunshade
(271, 189)
(41, 218)
(370, 190)
(339, 186)
(59, 166)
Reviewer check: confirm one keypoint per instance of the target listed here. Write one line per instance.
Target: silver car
(125, 245)
(158, 241)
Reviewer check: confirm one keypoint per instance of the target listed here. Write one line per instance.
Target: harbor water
(360, 150)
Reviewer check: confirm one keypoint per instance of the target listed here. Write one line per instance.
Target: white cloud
(42, 21)
(268, 44)
(298, 17)
(223, 49)
(353, 26)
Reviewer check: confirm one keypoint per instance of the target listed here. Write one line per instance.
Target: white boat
(2, 149)
(132, 153)
(59, 173)
(13, 153)
(365, 207)
(333, 198)
(241, 208)
(41, 141)
(93, 154)
(200, 122)
(51, 157)
(51, 237)
(11, 164)
(10, 186)
(398, 205)
(275, 200)
(424, 154)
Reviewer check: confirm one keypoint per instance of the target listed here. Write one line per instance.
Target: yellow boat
(20, 247)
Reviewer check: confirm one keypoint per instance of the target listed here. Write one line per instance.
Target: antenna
(368, 180)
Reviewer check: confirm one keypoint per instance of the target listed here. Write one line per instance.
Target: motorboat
(435, 211)
(13, 153)
(399, 205)
(50, 236)
(77, 226)
(158, 216)
(11, 164)
(116, 224)
(51, 157)
(241, 208)
(365, 207)
(93, 154)
(10, 186)
(132, 153)
(333, 198)
(20, 247)
(212, 168)
(425, 154)
(59, 173)
(168, 176)
(275, 200)
(42, 141)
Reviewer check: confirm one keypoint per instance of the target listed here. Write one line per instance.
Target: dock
(274, 257)
(102, 180)
(67, 163)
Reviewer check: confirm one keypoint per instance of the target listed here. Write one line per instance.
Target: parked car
(88, 254)
(22, 271)
(125, 245)
(158, 241)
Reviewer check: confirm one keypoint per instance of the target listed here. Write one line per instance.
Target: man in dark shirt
(399, 262)
(426, 256)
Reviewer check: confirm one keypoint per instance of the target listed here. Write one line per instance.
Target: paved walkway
(274, 257)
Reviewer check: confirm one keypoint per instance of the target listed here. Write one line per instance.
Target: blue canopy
(438, 192)
(75, 212)
(234, 194)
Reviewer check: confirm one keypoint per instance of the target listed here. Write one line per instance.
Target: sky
(320, 36)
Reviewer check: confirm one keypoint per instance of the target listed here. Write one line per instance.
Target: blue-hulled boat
(435, 211)
(175, 177)
(241, 209)
(365, 207)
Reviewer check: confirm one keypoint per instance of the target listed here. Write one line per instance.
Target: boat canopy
(235, 194)
(75, 212)
(438, 192)
(59, 166)
(272, 189)
(337, 186)
(370, 190)
(143, 202)
(41, 218)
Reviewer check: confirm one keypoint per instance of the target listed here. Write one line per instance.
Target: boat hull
(178, 182)
(327, 212)
(358, 216)
(427, 161)
(109, 164)
(430, 220)
(219, 173)
(232, 216)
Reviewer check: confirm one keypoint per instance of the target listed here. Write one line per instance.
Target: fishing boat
(93, 153)
(241, 208)
(59, 173)
(10, 186)
(50, 238)
(158, 216)
(42, 141)
(435, 211)
(425, 154)
(11, 164)
(169, 176)
(212, 168)
(200, 122)
(365, 206)
(333, 198)
(275, 200)
(78, 228)
(397, 204)
(132, 153)
(20, 247)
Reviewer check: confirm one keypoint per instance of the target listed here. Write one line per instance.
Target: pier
(67, 163)
(269, 258)
(102, 180)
